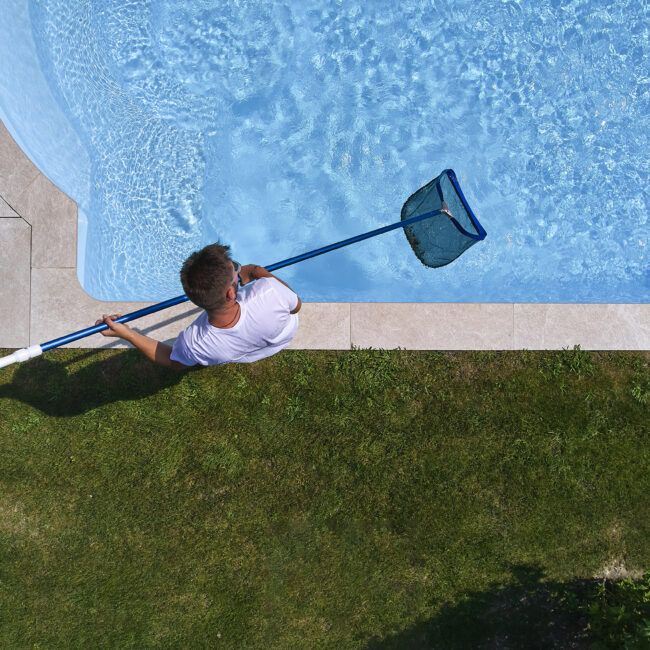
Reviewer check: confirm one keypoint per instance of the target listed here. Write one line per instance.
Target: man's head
(208, 277)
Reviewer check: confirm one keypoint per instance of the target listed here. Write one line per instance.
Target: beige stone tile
(432, 326)
(60, 306)
(53, 217)
(16, 170)
(14, 287)
(6, 211)
(323, 326)
(593, 327)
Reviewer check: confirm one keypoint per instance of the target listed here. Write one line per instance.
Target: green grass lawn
(362, 499)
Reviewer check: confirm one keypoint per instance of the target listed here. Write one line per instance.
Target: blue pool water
(279, 127)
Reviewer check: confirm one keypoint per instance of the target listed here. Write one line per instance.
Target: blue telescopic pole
(36, 350)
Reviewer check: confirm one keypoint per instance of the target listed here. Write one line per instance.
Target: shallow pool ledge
(42, 298)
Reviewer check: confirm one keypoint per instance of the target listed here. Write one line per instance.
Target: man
(248, 315)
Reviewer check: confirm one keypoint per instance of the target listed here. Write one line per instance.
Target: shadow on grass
(529, 613)
(47, 384)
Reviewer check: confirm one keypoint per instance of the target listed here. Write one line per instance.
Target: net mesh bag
(452, 227)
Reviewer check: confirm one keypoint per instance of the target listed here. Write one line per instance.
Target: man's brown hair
(206, 276)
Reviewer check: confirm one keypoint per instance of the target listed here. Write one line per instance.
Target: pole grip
(24, 354)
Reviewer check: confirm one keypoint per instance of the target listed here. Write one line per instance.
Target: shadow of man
(71, 387)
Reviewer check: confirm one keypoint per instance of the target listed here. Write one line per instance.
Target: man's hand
(246, 273)
(114, 329)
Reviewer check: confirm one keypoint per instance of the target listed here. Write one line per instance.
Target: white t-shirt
(265, 327)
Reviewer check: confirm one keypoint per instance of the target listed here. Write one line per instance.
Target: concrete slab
(323, 326)
(6, 210)
(53, 217)
(593, 327)
(432, 326)
(16, 170)
(15, 235)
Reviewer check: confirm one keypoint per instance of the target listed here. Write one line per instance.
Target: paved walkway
(42, 299)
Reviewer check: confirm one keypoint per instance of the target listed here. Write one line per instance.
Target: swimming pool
(279, 128)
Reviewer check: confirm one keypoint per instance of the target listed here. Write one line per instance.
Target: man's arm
(154, 350)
